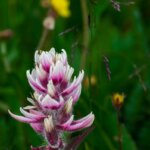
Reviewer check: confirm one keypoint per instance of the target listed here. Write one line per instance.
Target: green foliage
(123, 37)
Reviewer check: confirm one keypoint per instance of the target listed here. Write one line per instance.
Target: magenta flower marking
(50, 113)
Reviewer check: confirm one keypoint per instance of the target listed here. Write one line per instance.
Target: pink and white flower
(50, 113)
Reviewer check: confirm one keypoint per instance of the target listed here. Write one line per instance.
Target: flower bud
(117, 100)
(68, 105)
(51, 88)
(6, 34)
(49, 23)
(48, 124)
(90, 81)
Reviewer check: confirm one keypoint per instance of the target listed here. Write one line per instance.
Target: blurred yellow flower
(61, 7)
(92, 80)
(118, 99)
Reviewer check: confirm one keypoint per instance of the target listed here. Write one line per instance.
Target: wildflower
(118, 100)
(51, 111)
(49, 23)
(61, 7)
(6, 34)
(92, 81)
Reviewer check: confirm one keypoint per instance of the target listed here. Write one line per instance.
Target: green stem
(45, 32)
(3, 49)
(85, 32)
(119, 130)
(43, 39)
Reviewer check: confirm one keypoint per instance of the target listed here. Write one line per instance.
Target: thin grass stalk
(85, 41)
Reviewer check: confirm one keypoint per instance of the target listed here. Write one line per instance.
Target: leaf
(128, 143)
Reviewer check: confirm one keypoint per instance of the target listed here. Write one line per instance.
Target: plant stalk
(119, 131)
(43, 39)
(85, 33)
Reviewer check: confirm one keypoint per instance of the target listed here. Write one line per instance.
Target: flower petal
(80, 124)
(75, 94)
(57, 72)
(31, 115)
(51, 89)
(76, 82)
(22, 119)
(49, 103)
(38, 127)
(33, 82)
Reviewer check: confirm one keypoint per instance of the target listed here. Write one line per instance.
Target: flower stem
(119, 131)
(45, 32)
(85, 33)
(3, 50)
(43, 39)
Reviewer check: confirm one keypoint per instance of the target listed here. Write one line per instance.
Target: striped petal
(80, 124)
(76, 82)
(31, 115)
(22, 119)
(34, 83)
(38, 127)
(57, 72)
(49, 103)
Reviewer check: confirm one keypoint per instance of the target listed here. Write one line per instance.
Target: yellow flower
(92, 80)
(61, 7)
(118, 99)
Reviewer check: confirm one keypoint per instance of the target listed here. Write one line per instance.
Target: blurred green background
(123, 37)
